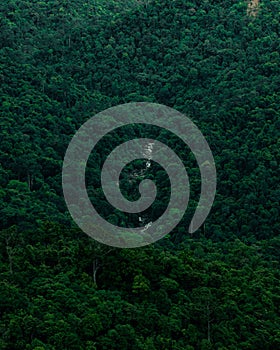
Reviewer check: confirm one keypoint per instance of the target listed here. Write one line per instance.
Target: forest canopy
(63, 61)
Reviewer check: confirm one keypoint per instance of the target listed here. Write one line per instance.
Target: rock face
(253, 8)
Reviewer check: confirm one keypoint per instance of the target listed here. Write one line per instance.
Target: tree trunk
(95, 267)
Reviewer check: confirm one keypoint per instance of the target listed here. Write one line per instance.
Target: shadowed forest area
(61, 62)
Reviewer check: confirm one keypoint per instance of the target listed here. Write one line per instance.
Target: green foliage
(63, 61)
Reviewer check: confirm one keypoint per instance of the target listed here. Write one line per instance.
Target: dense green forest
(62, 61)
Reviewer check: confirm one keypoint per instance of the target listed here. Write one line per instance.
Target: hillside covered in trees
(218, 62)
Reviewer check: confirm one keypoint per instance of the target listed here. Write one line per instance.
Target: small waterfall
(147, 154)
